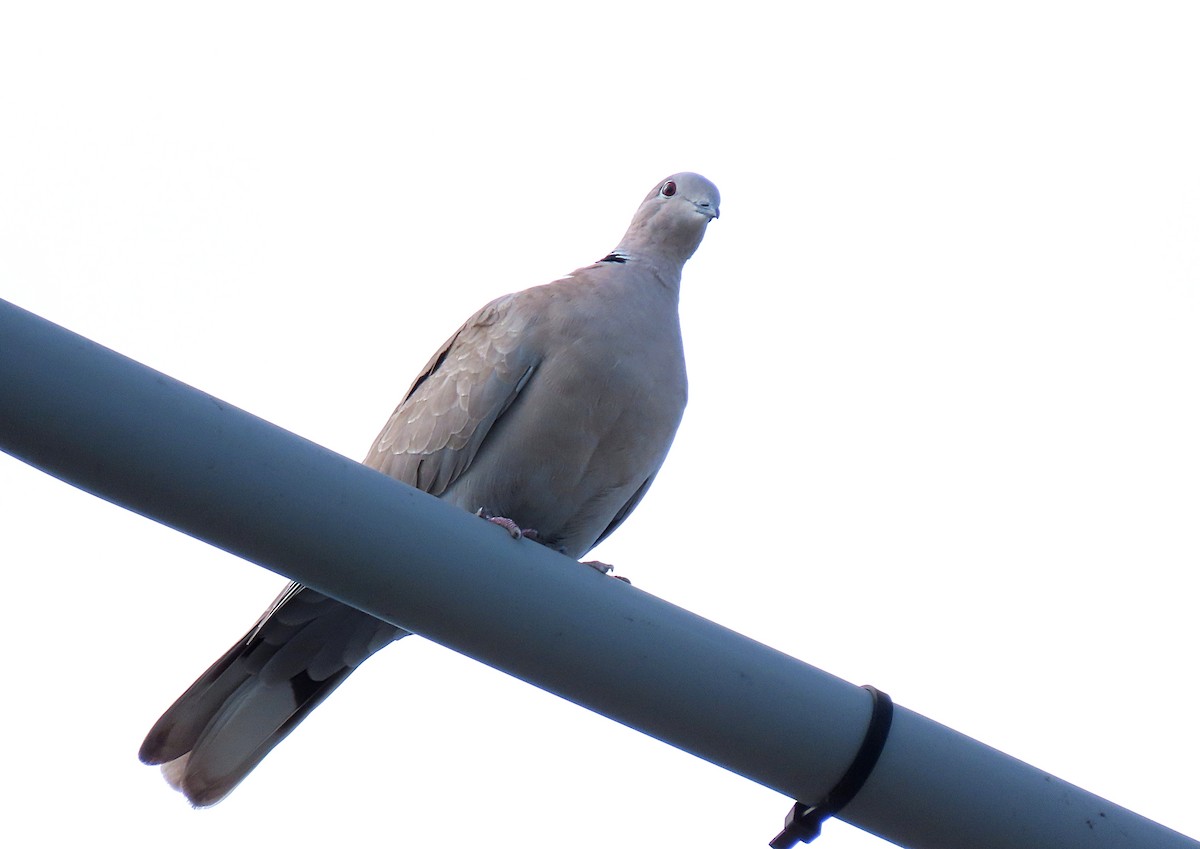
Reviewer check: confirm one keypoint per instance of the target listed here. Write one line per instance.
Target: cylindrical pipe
(138, 438)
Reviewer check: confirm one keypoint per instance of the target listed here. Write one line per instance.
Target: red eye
(668, 189)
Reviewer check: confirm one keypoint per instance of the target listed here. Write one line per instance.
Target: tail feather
(305, 645)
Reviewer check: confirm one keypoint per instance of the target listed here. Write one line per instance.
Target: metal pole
(138, 438)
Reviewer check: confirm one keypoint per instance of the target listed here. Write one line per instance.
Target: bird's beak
(706, 208)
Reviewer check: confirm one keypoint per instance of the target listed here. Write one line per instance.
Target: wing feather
(434, 434)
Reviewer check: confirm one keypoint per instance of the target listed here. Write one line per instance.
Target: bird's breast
(593, 423)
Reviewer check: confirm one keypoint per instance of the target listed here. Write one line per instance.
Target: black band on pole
(805, 825)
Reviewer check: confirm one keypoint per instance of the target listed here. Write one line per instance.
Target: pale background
(943, 347)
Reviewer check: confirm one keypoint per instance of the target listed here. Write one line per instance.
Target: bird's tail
(302, 648)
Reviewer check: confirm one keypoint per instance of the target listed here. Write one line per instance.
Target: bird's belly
(589, 457)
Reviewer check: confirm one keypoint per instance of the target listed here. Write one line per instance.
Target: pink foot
(514, 530)
(604, 569)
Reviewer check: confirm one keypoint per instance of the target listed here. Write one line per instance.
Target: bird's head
(672, 219)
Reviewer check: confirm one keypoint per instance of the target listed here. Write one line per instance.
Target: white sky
(942, 342)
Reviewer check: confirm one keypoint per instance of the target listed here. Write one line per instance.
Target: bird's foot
(604, 569)
(514, 530)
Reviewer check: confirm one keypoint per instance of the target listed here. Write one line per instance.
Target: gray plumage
(553, 407)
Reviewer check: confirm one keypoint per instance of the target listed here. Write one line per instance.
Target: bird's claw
(517, 532)
(604, 569)
(514, 530)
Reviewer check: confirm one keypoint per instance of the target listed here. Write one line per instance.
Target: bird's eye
(668, 189)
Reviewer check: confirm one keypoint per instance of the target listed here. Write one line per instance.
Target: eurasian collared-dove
(549, 411)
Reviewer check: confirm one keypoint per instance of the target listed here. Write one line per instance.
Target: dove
(548, 412)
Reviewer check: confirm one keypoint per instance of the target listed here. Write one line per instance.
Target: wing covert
(467, 385)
